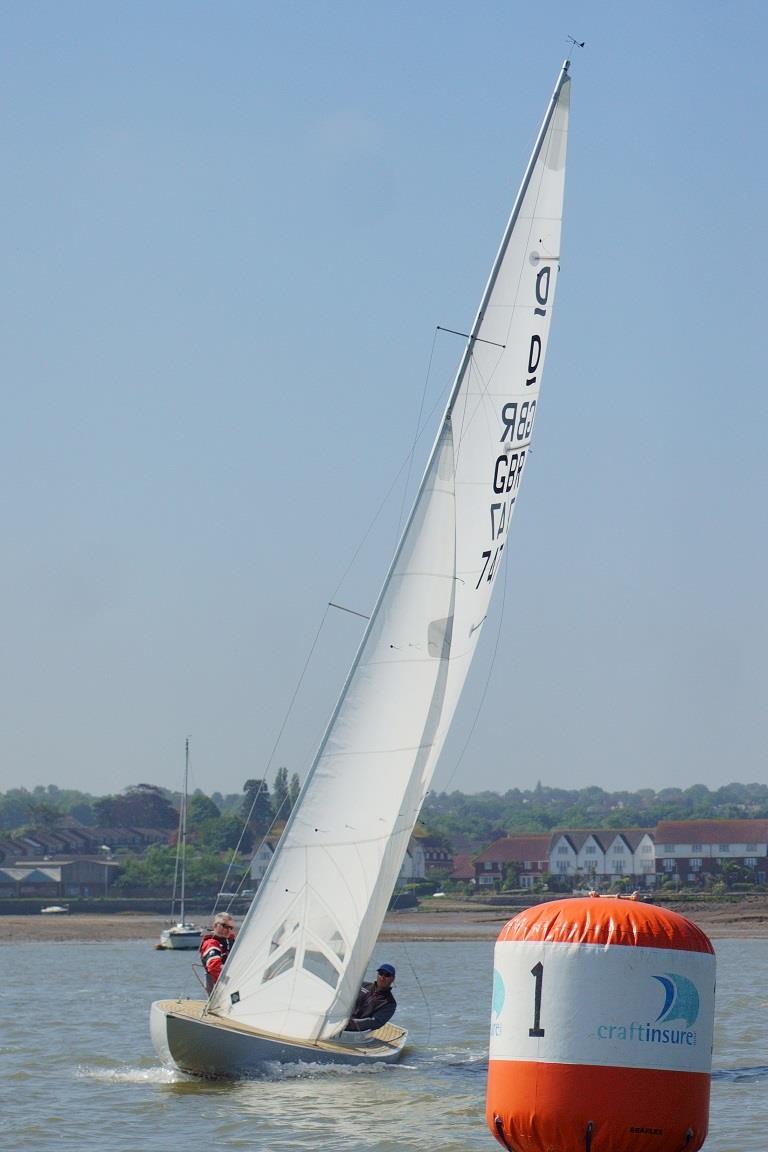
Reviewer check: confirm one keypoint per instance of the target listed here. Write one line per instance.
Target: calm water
(77, 1068)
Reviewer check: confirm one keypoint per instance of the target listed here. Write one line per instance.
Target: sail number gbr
(517, 421)
(516, 427)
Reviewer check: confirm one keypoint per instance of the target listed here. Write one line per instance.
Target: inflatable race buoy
(601, 1029)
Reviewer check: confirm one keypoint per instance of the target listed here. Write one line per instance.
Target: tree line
(470, 822)
(463, 821)
(214, 823)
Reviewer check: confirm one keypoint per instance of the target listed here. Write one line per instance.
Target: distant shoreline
(723, 920)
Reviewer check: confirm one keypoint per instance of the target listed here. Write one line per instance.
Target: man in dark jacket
(375, 1003)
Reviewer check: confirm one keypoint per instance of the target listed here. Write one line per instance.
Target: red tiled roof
(462, 868)
(712, 832)
(517, 848)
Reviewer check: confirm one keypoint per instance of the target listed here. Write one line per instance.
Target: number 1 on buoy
(538, 974)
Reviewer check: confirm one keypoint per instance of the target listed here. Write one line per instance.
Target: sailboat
(287, 989)
(182, 936)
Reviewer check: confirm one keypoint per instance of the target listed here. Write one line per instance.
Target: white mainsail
(303, 947)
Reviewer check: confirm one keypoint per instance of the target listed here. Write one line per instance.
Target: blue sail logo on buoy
(681, 998)
(497, 1002)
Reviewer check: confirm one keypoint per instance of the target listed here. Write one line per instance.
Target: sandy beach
(748, 918)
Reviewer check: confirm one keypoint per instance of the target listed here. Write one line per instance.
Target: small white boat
(181, 936)
(292, 978)
(54, 910)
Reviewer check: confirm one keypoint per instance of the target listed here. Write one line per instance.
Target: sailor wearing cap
(375, 1003)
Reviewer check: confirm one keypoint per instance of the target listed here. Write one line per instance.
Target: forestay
(305, 943)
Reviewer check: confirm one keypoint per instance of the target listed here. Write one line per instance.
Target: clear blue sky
(228, 233)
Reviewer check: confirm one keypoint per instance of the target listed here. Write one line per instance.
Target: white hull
(206, 1045)
(184, 937)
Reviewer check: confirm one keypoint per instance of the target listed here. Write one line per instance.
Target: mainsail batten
(305, 943)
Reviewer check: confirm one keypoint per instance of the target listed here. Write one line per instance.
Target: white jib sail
(303, 948)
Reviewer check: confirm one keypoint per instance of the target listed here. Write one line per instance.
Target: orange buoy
(601, 1029)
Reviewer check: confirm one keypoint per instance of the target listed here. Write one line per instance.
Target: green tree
(83, 812)
(200, 809)
(15, 808)
(44, 815)
(293, 789)
(141, 806)
(224, 834)
(280, 795)
(153, 871)
(257, 807)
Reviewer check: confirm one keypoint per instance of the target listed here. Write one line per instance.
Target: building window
(751, 847)
(723, 847)
(562, 865)
(695, 847)
(695, 863)
(646, 848)
(669, 865)
(750, 861)
(487, 865)
(590, 850)
(670, 847)
(618, 865)
(562, 850)
(618, 847)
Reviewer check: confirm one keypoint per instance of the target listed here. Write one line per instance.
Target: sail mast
(184, 830)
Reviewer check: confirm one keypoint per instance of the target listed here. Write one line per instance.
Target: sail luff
(511, 222)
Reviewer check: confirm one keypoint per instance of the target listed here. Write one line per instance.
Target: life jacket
(212, 945)
(213, 952)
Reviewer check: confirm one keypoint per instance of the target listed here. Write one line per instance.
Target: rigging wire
(417, 432)
(407, 463)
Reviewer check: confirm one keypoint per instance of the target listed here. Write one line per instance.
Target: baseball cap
(386, 969)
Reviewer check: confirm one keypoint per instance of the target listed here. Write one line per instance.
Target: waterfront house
(700, 852)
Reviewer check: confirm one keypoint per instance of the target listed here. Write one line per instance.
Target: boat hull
(204, 1045)
(187, 941)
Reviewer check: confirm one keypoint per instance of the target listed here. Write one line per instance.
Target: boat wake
(157, 1074)
(274, 1070)
(476, 1060)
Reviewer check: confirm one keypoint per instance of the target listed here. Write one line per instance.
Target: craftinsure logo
(681, 1007)
(497, 1003)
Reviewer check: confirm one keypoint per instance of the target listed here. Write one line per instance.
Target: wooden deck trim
(387, 1036)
